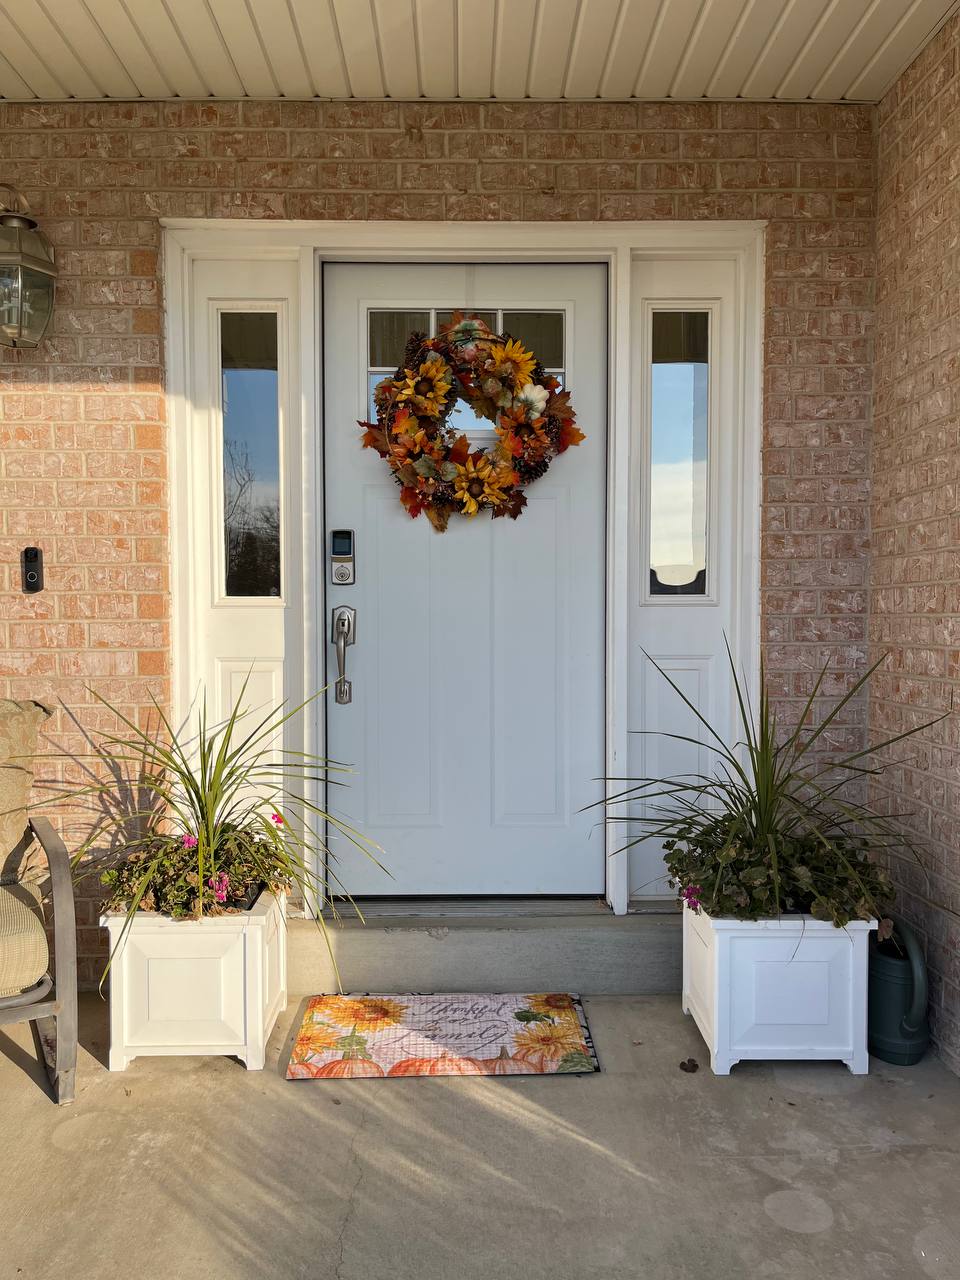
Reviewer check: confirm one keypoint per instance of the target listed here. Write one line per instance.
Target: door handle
(344, 632)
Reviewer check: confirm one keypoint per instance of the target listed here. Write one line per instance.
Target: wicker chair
(28, 991)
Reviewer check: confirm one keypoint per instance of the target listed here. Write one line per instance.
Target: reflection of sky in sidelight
(678, 514)
(250, 424)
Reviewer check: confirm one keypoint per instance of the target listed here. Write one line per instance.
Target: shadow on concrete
(30, 1064)
(95, 1026)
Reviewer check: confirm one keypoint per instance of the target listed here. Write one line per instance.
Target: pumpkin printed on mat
(504, 1064)
(444, 1065)
(349, 1067)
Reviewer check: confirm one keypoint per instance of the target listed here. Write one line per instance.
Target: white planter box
(210, 986)
(789, 988)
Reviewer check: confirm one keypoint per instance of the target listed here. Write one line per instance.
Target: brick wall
(82, 422)
(915, 593)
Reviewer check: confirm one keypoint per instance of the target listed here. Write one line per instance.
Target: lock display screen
(342, 542)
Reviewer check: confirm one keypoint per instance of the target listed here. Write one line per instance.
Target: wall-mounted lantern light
(28, 273)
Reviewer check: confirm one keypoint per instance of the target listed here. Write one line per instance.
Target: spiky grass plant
(196, 821)
(774, 827)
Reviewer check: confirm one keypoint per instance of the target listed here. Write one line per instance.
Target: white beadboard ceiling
(822, 50)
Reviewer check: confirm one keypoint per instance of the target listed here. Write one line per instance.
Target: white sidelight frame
(615, 244)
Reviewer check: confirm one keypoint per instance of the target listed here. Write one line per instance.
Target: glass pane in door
(489, 318)
(679, 415)
(251, 452)
(540, 332)
(388, 332)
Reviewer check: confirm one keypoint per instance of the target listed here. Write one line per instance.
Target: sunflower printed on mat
(554, 1004)
(545, 1044)
(315, 1038)
(361, 1013)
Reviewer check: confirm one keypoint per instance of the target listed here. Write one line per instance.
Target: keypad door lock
(343, 571)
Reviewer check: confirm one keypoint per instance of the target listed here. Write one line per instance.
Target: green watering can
(897, 1029)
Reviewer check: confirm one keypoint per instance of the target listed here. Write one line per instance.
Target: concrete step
(596, 953)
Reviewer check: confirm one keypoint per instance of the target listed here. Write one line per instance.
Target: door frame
(617, 245)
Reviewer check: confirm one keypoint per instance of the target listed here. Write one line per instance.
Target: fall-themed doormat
(345, 1037)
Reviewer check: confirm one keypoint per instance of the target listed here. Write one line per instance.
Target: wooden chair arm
(64, 908)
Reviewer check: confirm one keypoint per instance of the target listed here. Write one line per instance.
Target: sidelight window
(251, 452)
(679, 432)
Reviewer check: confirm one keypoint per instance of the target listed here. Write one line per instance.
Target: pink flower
(220, 884)
(691, 895)
(276, 818)
(189, 841)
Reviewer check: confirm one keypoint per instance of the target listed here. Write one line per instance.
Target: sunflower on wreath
(438, 472)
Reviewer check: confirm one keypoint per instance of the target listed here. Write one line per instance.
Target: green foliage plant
(776, 827)
(196, 822)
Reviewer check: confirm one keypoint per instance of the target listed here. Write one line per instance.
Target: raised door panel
(529, 615)
(397, 696)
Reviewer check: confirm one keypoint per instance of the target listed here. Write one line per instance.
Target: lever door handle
(343, 632)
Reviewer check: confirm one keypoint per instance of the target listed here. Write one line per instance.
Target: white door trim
(187, 240)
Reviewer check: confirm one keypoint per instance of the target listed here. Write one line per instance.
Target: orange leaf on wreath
(439, 517)
(459, 450)
(512, 504)
(375, 437)
(559, 406)
(403, 422)
(569, 434)
(413, 500)
(512, 445)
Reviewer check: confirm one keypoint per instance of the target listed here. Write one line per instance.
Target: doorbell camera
(342, 563)
(31, 569)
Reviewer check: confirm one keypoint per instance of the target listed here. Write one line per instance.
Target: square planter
(209, 986)
(793, 988)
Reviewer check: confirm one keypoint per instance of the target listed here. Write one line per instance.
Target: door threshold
(468, 907)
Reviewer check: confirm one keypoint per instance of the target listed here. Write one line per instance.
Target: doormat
(347, 1037)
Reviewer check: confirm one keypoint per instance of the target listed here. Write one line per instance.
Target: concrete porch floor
(188, 1168)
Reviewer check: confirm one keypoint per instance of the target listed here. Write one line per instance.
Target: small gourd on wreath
(438, 472)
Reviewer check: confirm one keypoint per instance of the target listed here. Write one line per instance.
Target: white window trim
(615, 244)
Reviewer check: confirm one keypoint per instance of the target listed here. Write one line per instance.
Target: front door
(475, 730)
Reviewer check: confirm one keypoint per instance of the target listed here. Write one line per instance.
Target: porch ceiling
(823, 50)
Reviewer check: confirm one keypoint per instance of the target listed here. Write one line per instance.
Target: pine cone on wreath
(413, 349)
(532, 470)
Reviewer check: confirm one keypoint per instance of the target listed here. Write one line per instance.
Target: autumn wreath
(437, 470)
